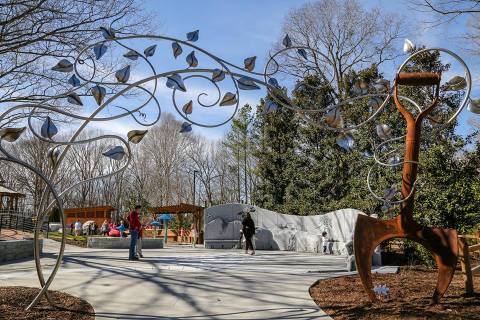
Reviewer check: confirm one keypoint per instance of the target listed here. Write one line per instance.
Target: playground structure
(469, 245)
(11, 201)
(86, 84)
(97, 214)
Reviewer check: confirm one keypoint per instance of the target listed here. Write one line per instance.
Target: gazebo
(180, 209)
(9, 200)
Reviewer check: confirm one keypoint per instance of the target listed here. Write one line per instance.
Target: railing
(466, 253)
(20, 223)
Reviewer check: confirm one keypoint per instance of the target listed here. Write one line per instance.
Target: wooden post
(465, 264)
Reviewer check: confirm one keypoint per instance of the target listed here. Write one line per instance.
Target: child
(324, 242)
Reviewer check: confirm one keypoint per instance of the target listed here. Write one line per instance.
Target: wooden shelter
(179, 210)
(9, 200)
(97, 214)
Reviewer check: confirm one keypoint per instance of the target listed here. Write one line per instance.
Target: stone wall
(281, 231)
(122, 243)
(17, 249)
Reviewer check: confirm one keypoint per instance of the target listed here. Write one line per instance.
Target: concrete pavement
(184, 283)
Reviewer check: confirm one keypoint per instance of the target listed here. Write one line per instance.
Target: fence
(466, 252)
(22, 223)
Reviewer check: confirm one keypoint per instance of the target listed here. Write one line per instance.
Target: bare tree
(344, 35)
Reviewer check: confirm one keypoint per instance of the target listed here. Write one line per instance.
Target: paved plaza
(180, 282)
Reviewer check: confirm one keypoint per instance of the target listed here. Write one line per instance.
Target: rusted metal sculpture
(370, 232)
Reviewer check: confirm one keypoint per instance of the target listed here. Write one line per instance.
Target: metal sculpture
(104, 93)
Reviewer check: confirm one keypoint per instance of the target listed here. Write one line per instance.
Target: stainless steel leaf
(334, 119)
(150, 51)
(48, 129)
(132, 55)
(73, 98)
(99, 93)
(381, 85)
(383, 131)
(53, 153)
(229, 99)
(135, 136)
(247, 83)
(99, 49)
(193, 36)
(177, 49)
(74, 81)
(186, 127)
(123, 74)
(456, 83)
(474, 106)
(345, 141)
(287, 42)
(302, 53)
(63, 66)
(218, 75)
(270, 106)
(188, 107)
(11, 134)
(273, 82)
(192, 60)
(108, 33)
(408, 46)
(250, 63)
(116, 153)
(175, 81)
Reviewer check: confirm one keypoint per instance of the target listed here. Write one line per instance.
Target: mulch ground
(408, 298)
(14, 300)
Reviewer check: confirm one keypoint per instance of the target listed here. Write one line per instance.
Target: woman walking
(248, 232)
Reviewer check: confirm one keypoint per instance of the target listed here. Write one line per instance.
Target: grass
(69, 236)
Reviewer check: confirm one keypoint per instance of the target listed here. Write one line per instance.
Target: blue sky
(234, 30)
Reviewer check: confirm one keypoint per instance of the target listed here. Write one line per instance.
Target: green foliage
(54, 215)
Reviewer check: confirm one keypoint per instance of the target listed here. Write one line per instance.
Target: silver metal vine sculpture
(84, 82)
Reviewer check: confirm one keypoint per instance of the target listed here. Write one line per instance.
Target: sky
(235, 30)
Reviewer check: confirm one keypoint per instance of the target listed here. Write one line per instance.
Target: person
(78, 228)
(140, 242)
(134, 223)
(121, 228)
(182, 235)
(248, 230)
(71, 228)
(194, 235)
(93, 228)
(104, 228)
(324, 241)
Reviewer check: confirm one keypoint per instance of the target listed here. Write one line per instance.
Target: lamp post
(194, 185)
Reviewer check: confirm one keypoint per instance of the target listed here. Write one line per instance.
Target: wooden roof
(178, 208)
(98, 208)
(8, 192)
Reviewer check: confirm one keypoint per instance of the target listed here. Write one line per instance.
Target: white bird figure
(408, 46)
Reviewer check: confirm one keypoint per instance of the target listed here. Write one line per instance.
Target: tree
(345, 37)
(34, 33)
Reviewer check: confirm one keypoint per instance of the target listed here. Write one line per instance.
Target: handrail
(465, 262)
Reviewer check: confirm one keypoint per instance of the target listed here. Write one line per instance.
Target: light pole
(194, 186)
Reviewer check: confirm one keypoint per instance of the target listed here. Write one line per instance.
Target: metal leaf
(394, 160)
(188, 107)
(218, 75)
(334, 118)
(193, 36)
(99, 49)
(53, 153)
(374, 104)
(389, 193)
(303, 53)
(229, 99)
(135, 136)
(11, 134)
(74, 81)
(408, 46)
(456, 83)
(386, 207)
(108, 33)
(287, 42)
(381, 85)
(270, 106)
(273, 82)
(63, 66)
(123, 74)
(150, 51)
(73, 98)
(250, 63)
(177, 49)
(192, 60)
(474, 106)
(132, 55)
(116, 153)
(48, 129)
(345, 141)
(360, 87)
(99, 93)
(383, 131)
(175, 81)
(186, 127)
(246, 83)
(381, 290)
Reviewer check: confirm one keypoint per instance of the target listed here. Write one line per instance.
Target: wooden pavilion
(97, 214)
(9, 200)
(179, 210)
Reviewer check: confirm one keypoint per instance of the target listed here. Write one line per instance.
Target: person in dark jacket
(134, 224)
(248, 232)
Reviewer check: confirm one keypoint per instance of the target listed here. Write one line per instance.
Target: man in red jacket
(134, 225)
